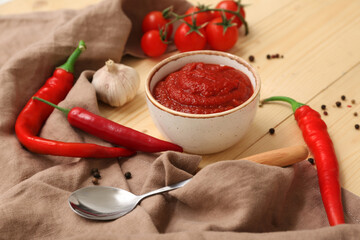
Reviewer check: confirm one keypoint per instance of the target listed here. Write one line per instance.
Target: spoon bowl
(108, 203)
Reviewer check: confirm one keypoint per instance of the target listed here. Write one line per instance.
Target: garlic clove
(116, 84)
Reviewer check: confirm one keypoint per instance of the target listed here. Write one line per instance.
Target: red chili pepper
(315, 134)
(34, 115)
(113, 132)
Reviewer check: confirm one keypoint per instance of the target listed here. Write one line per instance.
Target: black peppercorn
(128, 175)
(338, 104)
(97, 175)
(251, 58)
(323, 107)
(311, 160)
(357, 126)
(343, 97)
(95, 181)
(268, 56)
(272, 131)
(355, 114)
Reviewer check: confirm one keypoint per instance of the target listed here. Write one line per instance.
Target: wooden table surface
(319, 40)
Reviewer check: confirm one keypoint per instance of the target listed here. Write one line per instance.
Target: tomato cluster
(201, 28)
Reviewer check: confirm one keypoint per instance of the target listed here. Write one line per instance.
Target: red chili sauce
(202, 88)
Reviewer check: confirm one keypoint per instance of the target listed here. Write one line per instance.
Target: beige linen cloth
(227, 200)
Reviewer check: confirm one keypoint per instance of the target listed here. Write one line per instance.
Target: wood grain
(281, 157)
(320, 43)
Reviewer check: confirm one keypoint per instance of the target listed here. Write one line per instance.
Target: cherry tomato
(152, 45)
(155, 20)
(232, 6)
(189, 40)
(200, 18)
(216, 37)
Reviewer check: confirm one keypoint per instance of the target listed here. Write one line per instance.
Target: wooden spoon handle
(281, 157)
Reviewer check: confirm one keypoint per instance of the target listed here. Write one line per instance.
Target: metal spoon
(108, 203)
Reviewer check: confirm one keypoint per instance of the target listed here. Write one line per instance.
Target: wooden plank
(311, 61)
(340, 122)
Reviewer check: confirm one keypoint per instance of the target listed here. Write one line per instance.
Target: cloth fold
(234, 199)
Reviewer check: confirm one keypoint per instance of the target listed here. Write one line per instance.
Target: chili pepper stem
(69, 64)
(64, 110)
(294, 104)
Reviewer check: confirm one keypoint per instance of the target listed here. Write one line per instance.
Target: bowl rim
(177, 56)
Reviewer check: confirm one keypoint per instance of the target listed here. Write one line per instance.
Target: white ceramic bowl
(202, 133)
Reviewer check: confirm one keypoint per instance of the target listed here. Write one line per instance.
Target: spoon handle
(166, 189)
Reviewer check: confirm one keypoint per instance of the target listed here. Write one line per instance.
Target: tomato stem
(163, 34)
(167, 12)
(236, 13)
(195, 28)
(226, 23)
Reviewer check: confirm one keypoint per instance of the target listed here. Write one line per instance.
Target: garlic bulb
(116, 84)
